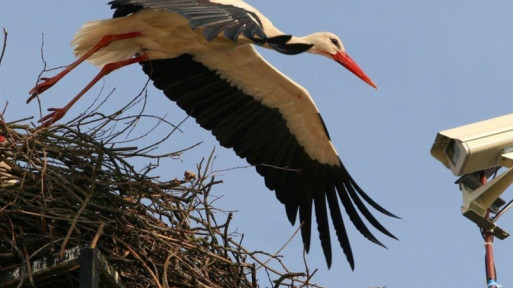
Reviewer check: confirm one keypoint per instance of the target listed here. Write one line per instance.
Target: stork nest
(75, 185)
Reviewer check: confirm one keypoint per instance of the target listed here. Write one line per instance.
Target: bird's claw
(45, 84)
(53, 117)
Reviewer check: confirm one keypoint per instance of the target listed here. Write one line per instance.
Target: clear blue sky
(438, 65)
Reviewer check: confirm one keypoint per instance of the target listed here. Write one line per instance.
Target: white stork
(200, 53)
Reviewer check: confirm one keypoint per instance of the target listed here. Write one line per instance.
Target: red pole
(491, 277)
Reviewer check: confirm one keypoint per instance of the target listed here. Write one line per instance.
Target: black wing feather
(343, 193)
(321, 215)
(338, 223)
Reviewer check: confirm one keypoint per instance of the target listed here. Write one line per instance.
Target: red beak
(346, 61)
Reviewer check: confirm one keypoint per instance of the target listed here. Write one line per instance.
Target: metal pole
(491, 277)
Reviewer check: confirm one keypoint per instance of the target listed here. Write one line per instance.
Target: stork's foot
(44, 85)
(53, 117)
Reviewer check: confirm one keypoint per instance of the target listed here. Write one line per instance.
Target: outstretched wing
(213, 17)
(273, 123)
(216, 17)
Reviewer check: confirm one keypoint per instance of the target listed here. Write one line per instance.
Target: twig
(282, 247)
(4, 46)
(138, 257)
(74, 223)
(97, 236)
(287, 276)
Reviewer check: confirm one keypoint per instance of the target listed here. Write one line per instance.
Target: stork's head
(329, 45)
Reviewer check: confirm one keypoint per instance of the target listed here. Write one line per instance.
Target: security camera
(478, 151)
(476, 147)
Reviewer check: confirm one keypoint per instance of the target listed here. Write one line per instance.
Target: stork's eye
(335, 42)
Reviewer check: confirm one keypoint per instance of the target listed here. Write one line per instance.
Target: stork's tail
(93, 31)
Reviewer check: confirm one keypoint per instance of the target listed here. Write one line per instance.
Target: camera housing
(476, 147)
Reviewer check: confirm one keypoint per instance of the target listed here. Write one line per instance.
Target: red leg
(104, 42)
(58, 113)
